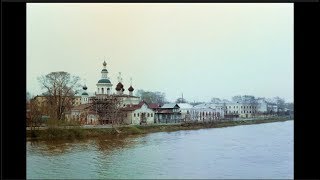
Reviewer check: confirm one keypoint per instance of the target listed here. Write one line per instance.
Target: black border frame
(13, 86)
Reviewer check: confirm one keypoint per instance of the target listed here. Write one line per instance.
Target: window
(151, 114)
(250, 111)
(134, 114)
(138, 114)
(148, 115)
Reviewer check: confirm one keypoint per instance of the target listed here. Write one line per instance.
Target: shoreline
(79, 132)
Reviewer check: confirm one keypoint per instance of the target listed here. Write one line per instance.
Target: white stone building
(138, 114)
(104, 90)
(262, 106)
(185, 109)
(104, 85)
(238, 109)
(207, 112)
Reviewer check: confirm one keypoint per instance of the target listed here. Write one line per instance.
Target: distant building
(242, 110)
(185, 109)
(138, 114)
(83, 112)
(169, 113)
(262, 105)
(207, 112)
(43, 100)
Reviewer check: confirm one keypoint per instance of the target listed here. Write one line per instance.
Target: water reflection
(105, 144)
(246, 152)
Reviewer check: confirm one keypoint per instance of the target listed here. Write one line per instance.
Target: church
(104, 89)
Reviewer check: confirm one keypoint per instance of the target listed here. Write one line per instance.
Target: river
(239, 152)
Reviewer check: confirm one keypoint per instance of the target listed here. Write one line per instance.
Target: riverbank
(77, 132)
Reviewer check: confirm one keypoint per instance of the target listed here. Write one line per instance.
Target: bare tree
(280, 102)
(108, 109)
(61, 88)
(181, 100)
(33, 114)
(151, 97)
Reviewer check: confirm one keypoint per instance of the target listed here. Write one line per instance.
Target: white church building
(104, 88)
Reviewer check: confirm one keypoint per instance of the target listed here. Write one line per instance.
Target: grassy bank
(80, 133)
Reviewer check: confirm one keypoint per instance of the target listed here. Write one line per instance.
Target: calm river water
(250, 152)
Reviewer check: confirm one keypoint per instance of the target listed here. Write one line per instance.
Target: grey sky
(200, 50)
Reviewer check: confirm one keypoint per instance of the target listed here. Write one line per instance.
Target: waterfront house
(185, 109)
(138, 114)
(169, 113)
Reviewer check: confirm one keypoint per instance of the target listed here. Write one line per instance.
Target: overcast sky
(201, 50)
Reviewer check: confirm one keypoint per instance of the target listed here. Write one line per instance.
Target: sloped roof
(170, 106)
(134, 107)
(165, 111)
(154, 105)
(207, 105)
(185, 105)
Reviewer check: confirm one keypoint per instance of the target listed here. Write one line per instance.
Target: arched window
(102, 90)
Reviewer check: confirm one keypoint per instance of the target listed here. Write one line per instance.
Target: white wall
(135, 119)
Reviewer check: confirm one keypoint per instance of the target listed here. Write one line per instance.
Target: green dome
(104, 81)
(84, 93)
(104, 70)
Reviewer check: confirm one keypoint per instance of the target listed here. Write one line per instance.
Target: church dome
(85, 94)
(104, 70)
(130, 89)
(119, 86)
(84, 87)
(104, 81)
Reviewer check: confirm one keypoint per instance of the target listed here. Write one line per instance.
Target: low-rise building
(207, 112)
(185, 109)
(138, 114)
(242, 110)
(169, 113)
